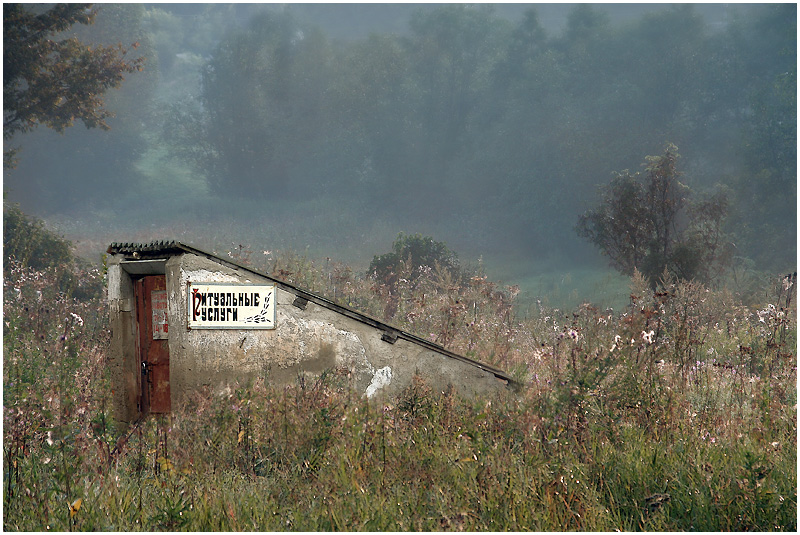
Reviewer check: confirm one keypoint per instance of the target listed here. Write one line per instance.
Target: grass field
(677, 411)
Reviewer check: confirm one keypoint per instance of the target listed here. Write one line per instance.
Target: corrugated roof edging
(164, 247)
(155, 247)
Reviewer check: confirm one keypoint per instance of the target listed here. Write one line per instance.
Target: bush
(27, 241)
(420, 252)
(28, 244)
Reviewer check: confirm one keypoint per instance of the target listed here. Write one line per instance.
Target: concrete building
(183, 318)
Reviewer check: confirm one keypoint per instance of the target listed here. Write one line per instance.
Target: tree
(652, 226)
(452, 53)
(54, 82)
(766, 189)
(264, 92)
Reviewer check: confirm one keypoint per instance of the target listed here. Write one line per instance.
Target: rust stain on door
(151, 316)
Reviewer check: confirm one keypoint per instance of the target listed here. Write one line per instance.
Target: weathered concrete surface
(306, 340)
(123, 359)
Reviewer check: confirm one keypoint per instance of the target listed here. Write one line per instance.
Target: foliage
(53, 82)
(28, 244)
(82, 170)
(422, 252)
(766, 193)
(56, 426)
(412, 257)
(263, 119)
(653, 227)
(27, 241)
(476, 119)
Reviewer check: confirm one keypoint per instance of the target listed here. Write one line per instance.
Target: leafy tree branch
(54, 82)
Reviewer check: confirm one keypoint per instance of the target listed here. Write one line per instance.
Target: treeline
(499, 125)
(474, 122)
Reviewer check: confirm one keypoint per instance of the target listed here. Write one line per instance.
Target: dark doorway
(151, 318)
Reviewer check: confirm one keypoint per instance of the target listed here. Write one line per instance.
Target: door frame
(128, 368)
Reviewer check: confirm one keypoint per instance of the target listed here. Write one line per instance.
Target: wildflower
(617, 340)
(787, 282)
(74, 507)
(770, 310)
(573, 334)
(77, 318)
(648, 337)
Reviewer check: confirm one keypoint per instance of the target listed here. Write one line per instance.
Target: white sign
(231, 306)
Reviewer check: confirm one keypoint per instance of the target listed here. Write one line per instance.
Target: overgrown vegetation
(677, 413)
(27, 243)
(421, 252)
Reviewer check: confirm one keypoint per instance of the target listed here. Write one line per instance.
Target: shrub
(26, 240)
(28, 244)
(420, 252)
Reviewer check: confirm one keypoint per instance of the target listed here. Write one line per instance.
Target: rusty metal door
(151, 317)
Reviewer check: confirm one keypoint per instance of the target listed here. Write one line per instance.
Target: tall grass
(677, 413)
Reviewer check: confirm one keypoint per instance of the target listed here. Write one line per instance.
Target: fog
(328, 129)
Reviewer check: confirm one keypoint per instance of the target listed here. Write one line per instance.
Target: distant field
(340, 237)
(565, 289)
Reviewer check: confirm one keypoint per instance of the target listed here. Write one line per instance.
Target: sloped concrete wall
(307, 340)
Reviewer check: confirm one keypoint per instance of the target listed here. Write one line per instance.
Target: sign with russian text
(231, 306)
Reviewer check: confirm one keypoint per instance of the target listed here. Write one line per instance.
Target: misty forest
(330, 129)
(599, 198)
